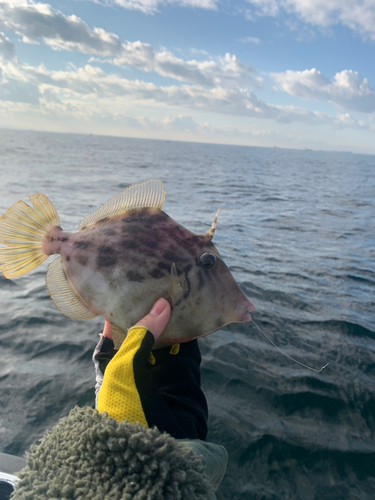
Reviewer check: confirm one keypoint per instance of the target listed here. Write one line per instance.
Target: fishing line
(285, 354)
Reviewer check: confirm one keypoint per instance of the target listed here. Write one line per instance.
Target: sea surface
(297, 230)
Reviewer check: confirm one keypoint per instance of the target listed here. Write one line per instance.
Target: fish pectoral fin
(62, 294)
(175, 290)
(118, 335)
(147, 194)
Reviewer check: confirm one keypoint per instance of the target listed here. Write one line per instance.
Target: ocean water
(297, 230)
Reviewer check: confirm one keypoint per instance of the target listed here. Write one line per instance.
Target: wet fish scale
(124, 257)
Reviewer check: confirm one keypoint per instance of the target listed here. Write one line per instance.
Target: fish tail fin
(22, 231)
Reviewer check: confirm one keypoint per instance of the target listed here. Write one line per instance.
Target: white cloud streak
(152, 6)
(185, 124)
(358, 16)
(6, 47)
(347, 90)
(250, 39)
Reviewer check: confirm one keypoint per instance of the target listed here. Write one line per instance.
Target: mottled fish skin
(121, 265)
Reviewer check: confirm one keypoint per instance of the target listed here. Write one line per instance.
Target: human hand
(155, 321)
(125, 377)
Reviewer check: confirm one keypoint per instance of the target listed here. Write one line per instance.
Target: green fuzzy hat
(90, 456)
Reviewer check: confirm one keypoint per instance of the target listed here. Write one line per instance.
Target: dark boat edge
(10, 464)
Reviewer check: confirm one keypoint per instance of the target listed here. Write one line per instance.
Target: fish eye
(207, 260)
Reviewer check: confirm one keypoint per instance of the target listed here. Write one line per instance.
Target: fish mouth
(251, 307)
(246, 318)
(248, 309)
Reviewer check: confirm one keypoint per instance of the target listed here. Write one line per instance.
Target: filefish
(123, 257)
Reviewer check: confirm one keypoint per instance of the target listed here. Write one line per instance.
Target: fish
(124, 256)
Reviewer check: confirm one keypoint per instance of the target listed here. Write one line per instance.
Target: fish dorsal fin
(210, 233)
(63, 296)
(147, 194)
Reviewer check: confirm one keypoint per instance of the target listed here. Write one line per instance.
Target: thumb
(157, 319)
(107, 330)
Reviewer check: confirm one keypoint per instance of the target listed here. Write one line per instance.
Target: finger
(107, 330)
(157, 319)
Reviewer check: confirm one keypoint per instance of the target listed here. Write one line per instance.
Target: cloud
(186, 124)
(87, 90)
(6, 47)
(265, 7)
(179, 123)
(347, 90)
(32, 20)
(151, 6)
(250, 39)
(15, 87)
(358, 16)
(345, 121)
(36, 21)
(210, 72)
(220, 85)
(19, 92)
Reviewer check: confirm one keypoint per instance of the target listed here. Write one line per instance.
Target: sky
(286, 73)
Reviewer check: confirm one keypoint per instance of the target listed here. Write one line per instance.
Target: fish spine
(22, 232)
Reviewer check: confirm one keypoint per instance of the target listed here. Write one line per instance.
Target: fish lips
(248, 308)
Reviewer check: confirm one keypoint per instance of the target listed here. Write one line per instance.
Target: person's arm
(136, 390)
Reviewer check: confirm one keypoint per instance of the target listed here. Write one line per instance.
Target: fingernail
(159, 306)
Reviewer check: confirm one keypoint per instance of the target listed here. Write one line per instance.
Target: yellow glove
(118, 395)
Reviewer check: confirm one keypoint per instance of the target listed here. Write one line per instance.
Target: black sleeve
(170, 391)
(107, 351)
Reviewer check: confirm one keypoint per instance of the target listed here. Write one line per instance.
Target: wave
(339, 326)
(278, 469)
